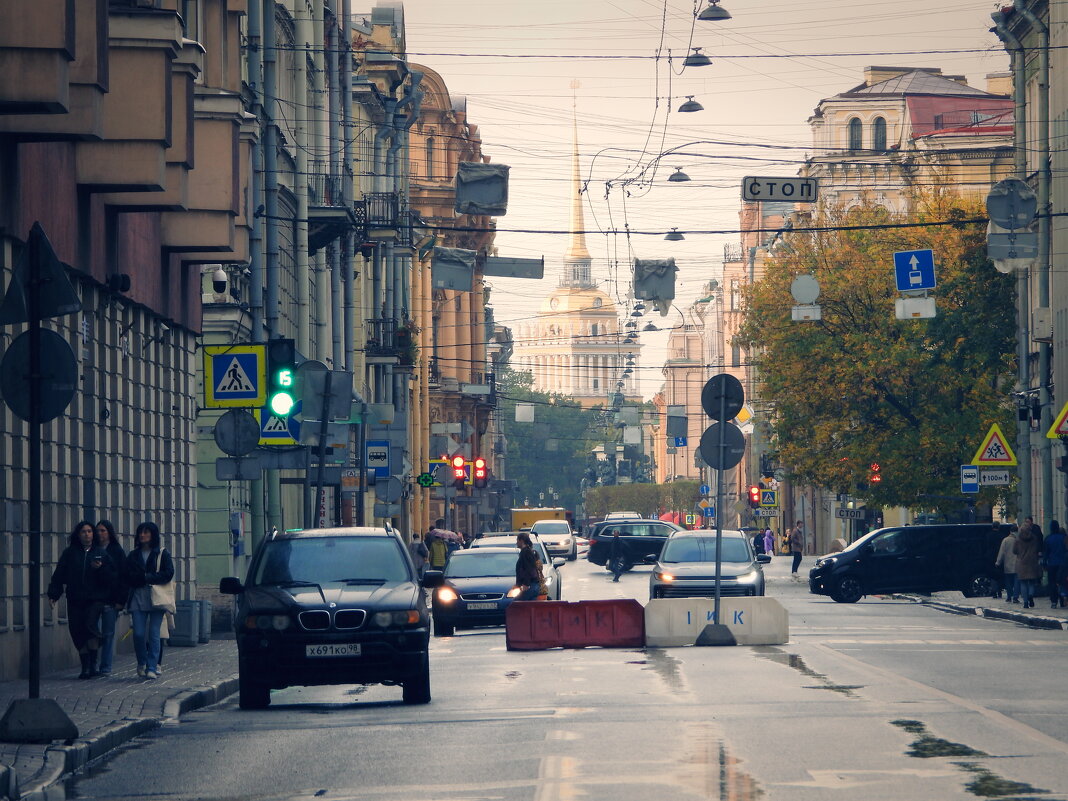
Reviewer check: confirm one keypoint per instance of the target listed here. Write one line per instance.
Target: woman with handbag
(150, 574)
(85, 573)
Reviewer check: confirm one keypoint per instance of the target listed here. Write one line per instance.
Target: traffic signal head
(480, 472)
(281, 376)
(875, 477)
(754, 496)
(459, 472)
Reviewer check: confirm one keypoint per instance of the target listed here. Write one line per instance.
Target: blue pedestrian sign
(969, 478)
(235, 376)
(710, 511)
(914, 270)
(680, 442)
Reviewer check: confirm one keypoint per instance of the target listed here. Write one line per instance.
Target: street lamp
(697, 58)
(678, 176)
(714, 13)
(690, 105)
(674, 236)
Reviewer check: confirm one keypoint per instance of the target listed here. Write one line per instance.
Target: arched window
(878, 134)
(430, 157)
(856, 134)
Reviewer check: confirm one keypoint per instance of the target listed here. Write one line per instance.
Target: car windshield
(703, 549)
(551, 528)
(325, 560)
(475, 564)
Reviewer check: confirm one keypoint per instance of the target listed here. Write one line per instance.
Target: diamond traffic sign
(769, 497)
(235, 376)
(914, 270)
(995, 450)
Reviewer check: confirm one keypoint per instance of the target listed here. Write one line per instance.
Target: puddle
(666, 667)
(637, 662)
(797, 663)
(719, 774)
(927, 745)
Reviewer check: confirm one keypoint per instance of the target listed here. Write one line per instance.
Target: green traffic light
(281, 403)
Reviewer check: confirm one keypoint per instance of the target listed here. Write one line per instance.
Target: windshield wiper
(363, 581)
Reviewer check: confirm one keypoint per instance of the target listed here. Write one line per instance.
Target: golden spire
(577, 249)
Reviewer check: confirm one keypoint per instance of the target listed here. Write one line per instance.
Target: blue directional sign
(680, 442)
(969, 478)
(710, 511)
(704, 489)
(914, 270)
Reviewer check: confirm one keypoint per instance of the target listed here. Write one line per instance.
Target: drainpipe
(336, 150)
(348, 242)
(302, 142)
(1044, 232)
(1023, 427)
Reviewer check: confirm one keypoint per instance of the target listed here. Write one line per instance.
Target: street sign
(237, 432)
(690, 518)
(425, 480)
(275, 430)
(680, 442)
(765, 513)
(704, 489)
(1060, 425)
(850, 514)
(914, 270)
(1012, 204)
(733, 446)
(235, 376)
(709, 511)
(769, 497)
(969, 478)
(761, 187)
(376, 457)
(722, 394)
(994, 478)
(58, 376)
(995, 450)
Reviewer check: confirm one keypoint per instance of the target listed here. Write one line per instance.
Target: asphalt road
(878, 700)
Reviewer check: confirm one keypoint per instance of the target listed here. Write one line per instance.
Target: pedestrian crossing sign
(995, 450)
(769, 497)
(275, 430)
(235, 376)
(1060, 425)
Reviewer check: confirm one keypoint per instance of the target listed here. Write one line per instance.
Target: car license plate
(491, 605)
(330, 649)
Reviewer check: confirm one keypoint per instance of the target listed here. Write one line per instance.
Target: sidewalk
(1041, 616)
(109, 711)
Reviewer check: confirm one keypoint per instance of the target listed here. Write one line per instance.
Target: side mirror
(231, 586)
(651, 559)
(558, 561)
(432, 579)
(763, 558)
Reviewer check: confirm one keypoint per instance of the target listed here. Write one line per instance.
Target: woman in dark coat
(1028, 570)
(146, 564)
(86, 574)
(109, 541)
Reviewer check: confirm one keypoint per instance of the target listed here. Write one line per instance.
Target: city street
(884, 699)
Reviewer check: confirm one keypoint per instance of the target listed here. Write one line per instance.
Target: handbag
(163, 594)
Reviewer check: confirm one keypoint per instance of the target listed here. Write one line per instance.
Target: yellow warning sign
(1060, 425)
(995, 450)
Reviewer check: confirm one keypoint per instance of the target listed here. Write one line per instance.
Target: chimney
(999, 83)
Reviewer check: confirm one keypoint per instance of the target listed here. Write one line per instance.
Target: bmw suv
(331, 606)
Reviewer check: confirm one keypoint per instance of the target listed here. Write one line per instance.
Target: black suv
(331, 606)
(641, 538)
(912, 559)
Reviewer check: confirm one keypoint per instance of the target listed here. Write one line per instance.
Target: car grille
(349, 618)
(725, 591)
(315, 620)
(483, 596)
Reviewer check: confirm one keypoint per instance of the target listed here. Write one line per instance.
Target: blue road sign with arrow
(914, 270)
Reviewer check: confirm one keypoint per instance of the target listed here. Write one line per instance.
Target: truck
(527, 516)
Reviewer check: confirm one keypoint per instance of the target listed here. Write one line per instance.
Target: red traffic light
(754, 496)
(480, 468)
(458, 471)
(480, 473)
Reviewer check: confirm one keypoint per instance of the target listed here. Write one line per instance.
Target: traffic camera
(459, 471)
(754, 496)
(480, 473)
(281, 376)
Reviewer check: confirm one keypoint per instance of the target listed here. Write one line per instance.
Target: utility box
(1042, 324)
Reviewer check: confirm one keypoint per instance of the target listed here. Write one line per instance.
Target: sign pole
(719, 497)
(33, 303)
(323, 427)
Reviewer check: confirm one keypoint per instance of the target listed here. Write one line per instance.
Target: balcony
(328, 216)
(383, 215)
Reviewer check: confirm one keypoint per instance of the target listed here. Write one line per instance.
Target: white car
(622, 516)
(557, 537)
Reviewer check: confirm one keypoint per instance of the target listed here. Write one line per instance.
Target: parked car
(911, 559)
(687, 566)
(640, 539)
(622, 516)
(478, 586)
(506, 539)
(331, 606)
(558, 538)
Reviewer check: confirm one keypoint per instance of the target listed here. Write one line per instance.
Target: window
(736, 355)
(593, 330)
(878, 134)
(736, 294)
(856, 134)
(430, 157)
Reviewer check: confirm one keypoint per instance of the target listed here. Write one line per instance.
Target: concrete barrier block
(672, 622)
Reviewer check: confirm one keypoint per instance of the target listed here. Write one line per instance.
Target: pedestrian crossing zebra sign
(235, 376)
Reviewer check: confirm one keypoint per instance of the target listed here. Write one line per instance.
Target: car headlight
(447, 595)
(662, 575)
(748, 578)
(548, 581)
(264, 622)
(513, 593)
(401, 617)
(565, 541)
(826, 560)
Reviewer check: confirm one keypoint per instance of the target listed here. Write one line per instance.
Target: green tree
(861, 387)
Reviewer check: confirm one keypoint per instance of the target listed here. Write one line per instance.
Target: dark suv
(912, 559)
(641, 538)
(331, 606)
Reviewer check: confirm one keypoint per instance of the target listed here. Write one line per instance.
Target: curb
(63, 760)
(1034, 621)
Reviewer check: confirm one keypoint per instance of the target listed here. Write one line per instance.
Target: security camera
(219, 280)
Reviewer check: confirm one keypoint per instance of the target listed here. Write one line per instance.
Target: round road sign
(1012, 204)
(58, 376)
(722, 395)
(237, 433)
(733, 446)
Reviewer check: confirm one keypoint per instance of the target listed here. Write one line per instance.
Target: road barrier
(673, 622)
(537, 625)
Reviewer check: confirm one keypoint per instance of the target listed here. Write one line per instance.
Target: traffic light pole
(719, 499)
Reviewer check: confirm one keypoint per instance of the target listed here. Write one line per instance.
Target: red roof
(961, 115)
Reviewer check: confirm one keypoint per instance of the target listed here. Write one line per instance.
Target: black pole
(324, 426)
(719, 490)
(33, 309)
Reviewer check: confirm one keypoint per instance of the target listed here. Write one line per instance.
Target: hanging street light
(697, 58)
(690, 105)
(714, 13)
(650, 327)
(678, 176)
(674, 236)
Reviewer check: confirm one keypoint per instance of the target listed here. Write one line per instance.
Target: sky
(515, 61)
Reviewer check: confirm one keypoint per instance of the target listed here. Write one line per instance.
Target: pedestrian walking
(758, 542)
(85, 574)
(147, 565)
(769, 541)
(1006, 562)
(616, 556)
(529, 578)
(1027, 568)
(436, 545)
(797, 545)
(419, 553)
(1053, 557)
(109, 541)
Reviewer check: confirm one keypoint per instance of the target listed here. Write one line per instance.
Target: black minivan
(912, 559)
